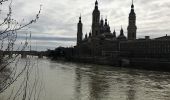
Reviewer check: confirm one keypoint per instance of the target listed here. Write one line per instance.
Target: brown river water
(58, 80)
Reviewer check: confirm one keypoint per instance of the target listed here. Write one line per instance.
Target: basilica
(102, 42)
(101, 28)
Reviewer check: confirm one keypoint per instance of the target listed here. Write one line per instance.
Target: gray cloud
(41, 37)
(59, 18)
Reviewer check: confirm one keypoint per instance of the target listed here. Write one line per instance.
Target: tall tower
(95, 20)
(132, 24)
(79, 31)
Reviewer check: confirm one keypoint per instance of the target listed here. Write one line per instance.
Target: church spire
(132, 24)
(79, 31)
(106, 22)
(121, 31)
(96, 3)
(80, 19)
(132, 6)
(114, 33)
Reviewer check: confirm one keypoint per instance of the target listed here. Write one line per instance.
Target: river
(76, 81)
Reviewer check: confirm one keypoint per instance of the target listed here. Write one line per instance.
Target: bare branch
(1, 1)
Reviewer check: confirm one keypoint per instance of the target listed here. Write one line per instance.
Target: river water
(74, 81)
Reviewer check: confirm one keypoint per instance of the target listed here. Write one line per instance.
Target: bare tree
(9, 28)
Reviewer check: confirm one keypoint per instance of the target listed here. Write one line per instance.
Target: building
(102, 42)
(132, 24)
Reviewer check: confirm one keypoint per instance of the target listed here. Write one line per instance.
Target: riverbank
(150, 64)
(117, 60)
(154, 64)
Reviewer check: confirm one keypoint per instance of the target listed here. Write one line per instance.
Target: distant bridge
(24, 54)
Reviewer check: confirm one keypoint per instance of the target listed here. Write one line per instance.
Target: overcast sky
(57, 25)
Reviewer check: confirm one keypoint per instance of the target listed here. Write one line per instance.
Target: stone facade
(147, 48)
(102, 42)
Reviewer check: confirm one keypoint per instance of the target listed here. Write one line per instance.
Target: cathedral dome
(121, 36)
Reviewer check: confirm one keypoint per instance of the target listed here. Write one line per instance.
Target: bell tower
(132, 24)
(96, 20)
(79, 31)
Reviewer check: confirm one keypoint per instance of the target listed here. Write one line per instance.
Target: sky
(57, 25)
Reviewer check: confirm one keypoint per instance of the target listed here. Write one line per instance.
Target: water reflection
(78, 84)
(131, 93)
(71, 81)
(108, 83)
(5, 78)
(96, 83)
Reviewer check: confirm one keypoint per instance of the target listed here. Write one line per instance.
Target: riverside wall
(135, 63)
